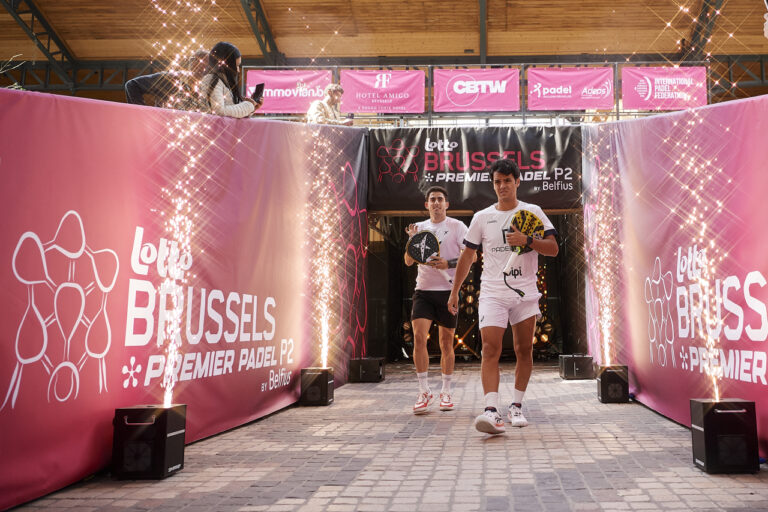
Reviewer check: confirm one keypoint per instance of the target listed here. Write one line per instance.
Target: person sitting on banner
(326, 110)
(163, 85)
(220, 86)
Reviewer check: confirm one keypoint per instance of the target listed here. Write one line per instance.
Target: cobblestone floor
(368, 452)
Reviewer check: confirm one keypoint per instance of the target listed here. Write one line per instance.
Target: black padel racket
(529, 225)
(422, 247)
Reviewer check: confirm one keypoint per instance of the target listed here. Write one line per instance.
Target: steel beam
(483, 30)
(112, 75)
(737, 64)
(702, 30)
(85, 75)
(31, 20)
(260, 27)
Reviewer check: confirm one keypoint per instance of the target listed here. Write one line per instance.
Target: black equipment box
(724, 435)
(148, 441)
(576, 366)
(613, 384)
(369, 369)
(316, 386)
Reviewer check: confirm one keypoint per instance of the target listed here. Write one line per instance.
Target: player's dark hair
(222, 63)
(505, 167)
(436, 189)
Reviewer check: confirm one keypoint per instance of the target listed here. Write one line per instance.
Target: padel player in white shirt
(499, 304)
(430, 299)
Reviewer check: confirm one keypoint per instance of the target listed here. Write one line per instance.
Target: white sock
(423, 384)
(518, 396)
(446, 384)
(492, 400)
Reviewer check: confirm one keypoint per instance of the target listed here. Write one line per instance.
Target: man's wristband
(452, 263)
(529, 241)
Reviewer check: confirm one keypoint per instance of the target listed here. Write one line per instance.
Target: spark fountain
(604, 255)
(723, 431)
(317, 384)
(149, 439)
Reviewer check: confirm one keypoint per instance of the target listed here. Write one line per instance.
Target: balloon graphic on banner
(68, 310)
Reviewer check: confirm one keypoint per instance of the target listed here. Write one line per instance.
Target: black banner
(405, 162)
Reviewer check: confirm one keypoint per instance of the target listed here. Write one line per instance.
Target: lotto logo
(67, 286)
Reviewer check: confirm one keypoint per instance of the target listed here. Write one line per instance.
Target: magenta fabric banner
(570, 89)
(476, 90)
(663, 88)
(92, 262)
(676, 261)
(383, 91)
(288, 92)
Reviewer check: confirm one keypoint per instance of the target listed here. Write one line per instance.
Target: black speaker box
(316, 386)
(148, 441)
(370, 369)
(724, 435)
(613, 384)
(575, 366)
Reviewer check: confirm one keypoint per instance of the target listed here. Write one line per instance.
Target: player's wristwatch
(529, 241)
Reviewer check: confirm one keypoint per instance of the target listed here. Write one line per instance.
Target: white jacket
(221, 102)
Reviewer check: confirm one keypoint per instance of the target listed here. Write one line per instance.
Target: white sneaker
(515, 416)
(446, 403)
(422, 402)
(490, 422)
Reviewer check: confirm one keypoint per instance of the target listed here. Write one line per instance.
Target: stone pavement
(368, 452)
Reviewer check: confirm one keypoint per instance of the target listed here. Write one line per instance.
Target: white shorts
(495, 312)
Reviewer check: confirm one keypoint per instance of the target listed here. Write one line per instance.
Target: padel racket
(422, 247)
(529, 225)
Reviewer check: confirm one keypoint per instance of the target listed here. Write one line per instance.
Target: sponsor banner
(663, 88)
(287, 92)
(570, 89)
(383, 91)
(90, 270)
(405, 162)
(476, 90)
(689, 265)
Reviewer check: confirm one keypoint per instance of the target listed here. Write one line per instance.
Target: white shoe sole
(446, 408)
(519, 424)
(426, 407)
(487, 427)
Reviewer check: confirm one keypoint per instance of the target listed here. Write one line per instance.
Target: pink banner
(674, 208)
(383, 91)
(90, 268)
(288, 92)
(476, 90)
(570, 89)
(663, 88)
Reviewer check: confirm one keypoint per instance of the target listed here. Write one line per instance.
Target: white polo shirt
(488, 230)
(450, 233)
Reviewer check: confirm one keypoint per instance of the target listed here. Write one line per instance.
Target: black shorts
(433, 305)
